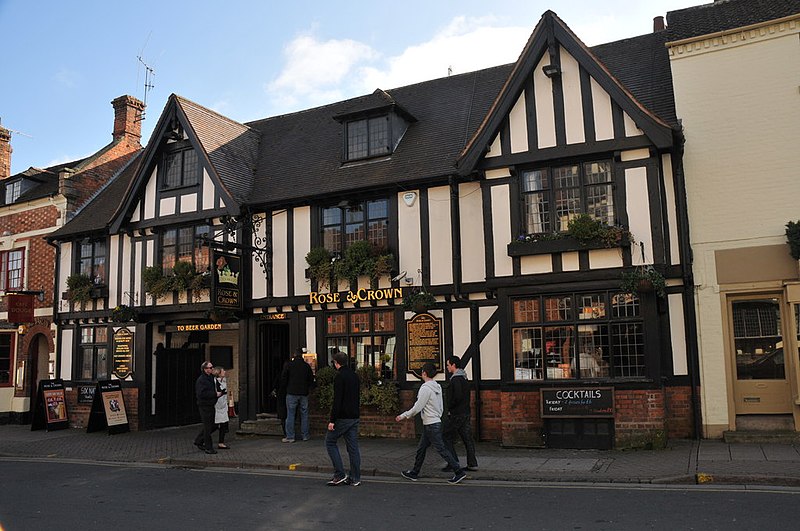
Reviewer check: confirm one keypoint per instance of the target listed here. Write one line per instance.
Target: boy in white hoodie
(429, 403)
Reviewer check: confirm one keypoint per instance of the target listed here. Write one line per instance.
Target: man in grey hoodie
(429, 404)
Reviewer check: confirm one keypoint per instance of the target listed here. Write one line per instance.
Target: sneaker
(409, 474)
(353, 483)
(306, 439)
(287, 440)
(337, 481)
(472, 468)
(457, 478)
(447, 468)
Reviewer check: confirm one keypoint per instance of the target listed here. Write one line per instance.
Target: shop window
(179, 168)
(758, 340)
(551, 197)
(6, 357)
(12, 270)
(577, 336)
(367, 220)
(369, 137)
(92, 260)
(185, 244)
(367, 337)
(92, 359)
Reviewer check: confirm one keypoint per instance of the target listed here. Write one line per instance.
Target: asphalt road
(48, 494)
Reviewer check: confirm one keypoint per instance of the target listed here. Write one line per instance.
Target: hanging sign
(20, 308)
(50, 410)
(108, 409)
(122, 353)
(424, 340)
(226, 291)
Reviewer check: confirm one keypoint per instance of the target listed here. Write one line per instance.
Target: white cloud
(67, 78)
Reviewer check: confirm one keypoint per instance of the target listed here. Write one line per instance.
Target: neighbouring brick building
(33, 204)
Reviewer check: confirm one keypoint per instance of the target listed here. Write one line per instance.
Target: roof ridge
(180, 99)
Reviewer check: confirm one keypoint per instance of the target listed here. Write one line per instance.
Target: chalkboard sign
(85, 394)
(108, 409)
(577, 402)
(424, 340)
(50, 409)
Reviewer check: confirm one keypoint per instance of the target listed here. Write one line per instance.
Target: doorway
(177, 370)
(761, 368)
(38, 366)
(275, 350)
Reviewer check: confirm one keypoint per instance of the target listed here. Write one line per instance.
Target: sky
(64, 61)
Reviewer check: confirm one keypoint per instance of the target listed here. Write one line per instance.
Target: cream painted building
(737, 94)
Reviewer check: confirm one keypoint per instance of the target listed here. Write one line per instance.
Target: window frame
(363, 206)
(179, 150)
(371, 151)
(5, 271)
(344, 338)
(13, 191)
(12, 347)
(93, 260)
(604, 326)
(550, 192)
(196, 246)
(93, 347)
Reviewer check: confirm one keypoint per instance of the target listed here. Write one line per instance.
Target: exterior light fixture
(551, 70)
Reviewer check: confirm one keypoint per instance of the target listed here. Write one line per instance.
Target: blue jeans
(432, 435)
(291, 411)
(347, 428)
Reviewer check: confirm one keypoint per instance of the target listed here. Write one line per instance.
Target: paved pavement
(682, 462)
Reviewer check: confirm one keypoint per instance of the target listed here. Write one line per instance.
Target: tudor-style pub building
(517, 196)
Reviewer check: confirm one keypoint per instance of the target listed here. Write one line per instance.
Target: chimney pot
(5, 153)
(658, 24)
(127, 118)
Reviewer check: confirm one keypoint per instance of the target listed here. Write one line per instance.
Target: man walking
(206, 392)
(298, 378)
(429, 403)
(344, 423)
(458, 420)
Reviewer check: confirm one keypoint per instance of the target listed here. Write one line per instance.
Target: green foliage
(356, 261)
(183, 277)
(419, 301)
(319, 266)
(586, 230)
(641, 279)
(324, 389)
(79, 288)
(382, 394)
(123, 314)
(793, 237)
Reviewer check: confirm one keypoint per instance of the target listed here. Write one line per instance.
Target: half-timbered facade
(471, 184)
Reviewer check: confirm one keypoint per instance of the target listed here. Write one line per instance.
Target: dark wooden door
(176, 372)
(274, 352)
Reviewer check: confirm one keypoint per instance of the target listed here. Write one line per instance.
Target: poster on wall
(50, 409)
(108, 409)
(122, 355)
(424, 340)
(226, 290)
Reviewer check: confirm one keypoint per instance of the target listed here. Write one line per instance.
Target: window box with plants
(361, 258)
(79, 288)
(184, 277)
(583, 233)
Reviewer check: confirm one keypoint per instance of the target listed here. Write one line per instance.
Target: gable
(561, 100)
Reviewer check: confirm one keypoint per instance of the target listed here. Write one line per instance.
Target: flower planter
(562, 245)
(645, 286)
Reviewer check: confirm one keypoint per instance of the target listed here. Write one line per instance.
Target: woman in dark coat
(280, 395)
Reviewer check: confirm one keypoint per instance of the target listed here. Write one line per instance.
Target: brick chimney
(5, 152)
(658, 24)
(127, 118)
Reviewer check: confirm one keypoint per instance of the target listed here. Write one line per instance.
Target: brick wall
(79, 413)
(680, 418)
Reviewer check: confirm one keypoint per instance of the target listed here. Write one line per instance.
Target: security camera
(400, 276)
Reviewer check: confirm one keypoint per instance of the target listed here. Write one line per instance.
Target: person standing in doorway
(458, 416)
(299, 378)
(206, 393)
(221, 419)
(429, 404)
(344, 423)
(279, 392)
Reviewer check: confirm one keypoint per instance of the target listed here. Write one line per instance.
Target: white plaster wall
(531, 265)
(631, 129)
(570, 261)
(501, 230)
(259, 284)
(167, 206)
(672, 209)
(634, 154)
(113, 266)
(64, 267)
(280, 253)
(150, 196)
(518, 126)
(545, 109)
(677, 330)
(208, 192)
(573, 104)
(408, 226)
(462, 334)
(500, 173)
(495, 150)
(188, 203)
(440, 231)
(66, 354)
(490, 346)
(605, 258)
(473, 249)
(311, 335)
(302, 244)
(638, 209)
(603, 118)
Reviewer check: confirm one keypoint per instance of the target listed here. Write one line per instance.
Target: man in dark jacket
(205, 390)
(344, 423)
(458, 420)
(298, 378)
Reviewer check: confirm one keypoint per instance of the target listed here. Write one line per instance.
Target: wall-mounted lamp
(551, 70)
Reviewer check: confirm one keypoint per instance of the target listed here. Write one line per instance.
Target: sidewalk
(683, 462)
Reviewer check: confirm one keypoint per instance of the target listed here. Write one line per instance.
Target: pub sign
(226, 284)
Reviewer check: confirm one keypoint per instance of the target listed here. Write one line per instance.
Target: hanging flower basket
(419, 301)
(643, 279)
(123, 314)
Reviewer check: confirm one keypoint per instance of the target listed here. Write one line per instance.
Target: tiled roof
(97, 213)
(726, 15)
(46, 182)
(231, 146)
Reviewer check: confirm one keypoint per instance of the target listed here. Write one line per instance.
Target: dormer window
(368, 137)
(180, 168)
(13, 191)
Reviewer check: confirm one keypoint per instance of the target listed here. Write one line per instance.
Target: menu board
(577, 402)
(50, 410)
(108, 409)
(122, 355)
(424, 340)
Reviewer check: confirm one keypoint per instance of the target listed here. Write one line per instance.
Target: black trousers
(207, 416)
(460, 425)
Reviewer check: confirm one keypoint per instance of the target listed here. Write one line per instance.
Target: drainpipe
(474, 319)
(56, 298)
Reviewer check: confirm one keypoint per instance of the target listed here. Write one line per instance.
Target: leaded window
(93, 353)
(185, 244)
(367, 337)
(367, 220)
(367, 138)
(92, 260)
(180, 168)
